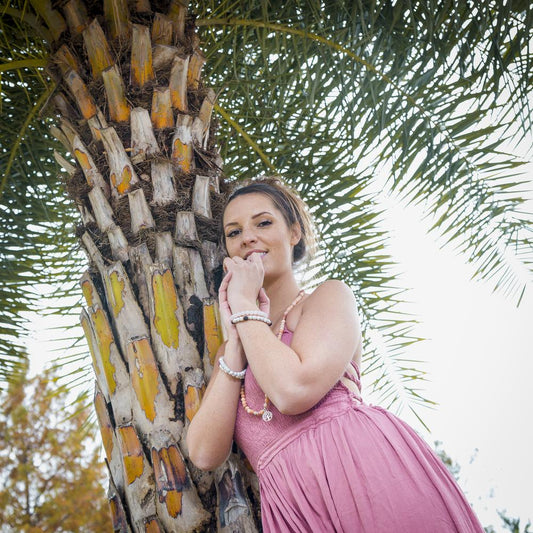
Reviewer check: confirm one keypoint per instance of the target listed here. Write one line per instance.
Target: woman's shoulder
(331, 289)
(331, 295)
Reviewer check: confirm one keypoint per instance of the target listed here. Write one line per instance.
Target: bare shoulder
(329, 326)
(331, 301)
(331, 291)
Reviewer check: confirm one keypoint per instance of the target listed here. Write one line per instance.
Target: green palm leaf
(333, 95)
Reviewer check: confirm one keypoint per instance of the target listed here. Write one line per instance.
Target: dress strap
(351, 379)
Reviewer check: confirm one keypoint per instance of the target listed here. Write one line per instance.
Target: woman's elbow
(295, 403)
(205, 461)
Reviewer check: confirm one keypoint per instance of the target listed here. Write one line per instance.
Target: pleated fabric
(345, 466)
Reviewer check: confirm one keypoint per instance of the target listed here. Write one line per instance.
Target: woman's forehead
(249, 205)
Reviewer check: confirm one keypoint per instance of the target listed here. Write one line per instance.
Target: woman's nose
(248, 236)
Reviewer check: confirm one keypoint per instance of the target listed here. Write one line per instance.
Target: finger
(224, 307)
(226, 263)
(257, 260)
(263, 300)
(224, 283)
(262, 296)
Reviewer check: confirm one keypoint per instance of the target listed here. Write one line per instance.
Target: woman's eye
(265, 223)
(232, 233)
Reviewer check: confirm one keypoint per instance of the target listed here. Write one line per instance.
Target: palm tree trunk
(136, 117)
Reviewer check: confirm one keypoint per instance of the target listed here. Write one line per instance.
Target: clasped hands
(241, 289)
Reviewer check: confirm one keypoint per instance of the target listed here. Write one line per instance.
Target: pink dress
(344, 466)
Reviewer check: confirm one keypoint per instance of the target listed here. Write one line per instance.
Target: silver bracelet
(227, 370)
(244, 318)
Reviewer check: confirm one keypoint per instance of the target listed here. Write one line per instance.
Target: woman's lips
(262, 254)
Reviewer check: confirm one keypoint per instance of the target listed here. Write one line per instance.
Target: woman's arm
(210, 432)
(295, 378)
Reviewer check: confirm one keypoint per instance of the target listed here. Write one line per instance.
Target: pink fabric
(344, 466)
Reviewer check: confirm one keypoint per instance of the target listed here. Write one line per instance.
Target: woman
(286, 388)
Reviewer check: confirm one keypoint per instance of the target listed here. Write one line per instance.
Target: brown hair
(291, 206)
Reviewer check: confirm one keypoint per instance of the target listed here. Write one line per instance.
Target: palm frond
(336, 93)
(36, 218)
(331, 95)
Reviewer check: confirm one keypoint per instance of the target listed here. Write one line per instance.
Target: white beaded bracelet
(244, 318)
(227, 370)
(256, 312)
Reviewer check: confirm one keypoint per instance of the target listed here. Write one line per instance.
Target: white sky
(479, 361)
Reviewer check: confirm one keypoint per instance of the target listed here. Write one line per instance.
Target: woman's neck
(281, 292)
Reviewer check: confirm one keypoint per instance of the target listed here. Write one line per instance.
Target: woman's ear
(296, 233)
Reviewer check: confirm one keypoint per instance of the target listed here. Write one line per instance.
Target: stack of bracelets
(265, 413)
(243, 316)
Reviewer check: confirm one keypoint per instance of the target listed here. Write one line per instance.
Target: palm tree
(328, 95)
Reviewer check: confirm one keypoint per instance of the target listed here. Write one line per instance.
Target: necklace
(265, 413)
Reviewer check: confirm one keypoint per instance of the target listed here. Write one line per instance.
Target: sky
(478, 356)
(479, 359)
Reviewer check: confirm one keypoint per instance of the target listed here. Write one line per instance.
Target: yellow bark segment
(182, 154)
(76, 16)
(125, 180)
(118, 519)
(132, 453)
(152, 527)
(193, 398)
(178, 101)
(113, 506)
(144, 374)
(87, 290)
(196, 62)
(66, 60)
(177, 12)
(170, 478)
(161, 30)
(173, 503)
(105, 425)
(81, 94)
(165, 307)
(105, 340)
(162, 116)
(92, 348)
(212, 330)
(141, 56)
(116, 14)
(97, 48)
(116, 286)
(119, 110)
(83, 160)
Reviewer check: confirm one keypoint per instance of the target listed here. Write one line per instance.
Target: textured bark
(119, 110)
(133, 114)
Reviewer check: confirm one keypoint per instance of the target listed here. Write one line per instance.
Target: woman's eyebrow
(254, 216)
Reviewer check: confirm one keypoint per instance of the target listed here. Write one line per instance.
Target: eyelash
(263, 223)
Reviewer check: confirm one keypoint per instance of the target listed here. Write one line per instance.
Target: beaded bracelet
(250, 312)
(244, 318)
(227, 370)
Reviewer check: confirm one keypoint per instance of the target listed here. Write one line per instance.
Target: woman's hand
(235, 356)
(246, 281)
(225, 310)
(263, 301)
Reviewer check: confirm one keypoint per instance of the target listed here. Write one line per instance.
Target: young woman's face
(253, 224)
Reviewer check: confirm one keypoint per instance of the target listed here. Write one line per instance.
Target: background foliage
(51, 472)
